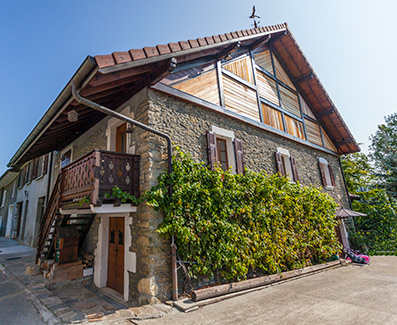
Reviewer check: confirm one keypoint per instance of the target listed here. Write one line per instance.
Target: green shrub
(233, 224)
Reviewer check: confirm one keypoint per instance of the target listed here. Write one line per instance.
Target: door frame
(102, 251)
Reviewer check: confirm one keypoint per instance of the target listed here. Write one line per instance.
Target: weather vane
(253, 16)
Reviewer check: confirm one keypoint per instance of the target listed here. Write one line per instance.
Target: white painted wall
(30, 192)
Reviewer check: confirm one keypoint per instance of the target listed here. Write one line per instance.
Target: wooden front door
(121, 138)
(116, 254)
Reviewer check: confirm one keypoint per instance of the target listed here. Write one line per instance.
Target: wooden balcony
(87, 180)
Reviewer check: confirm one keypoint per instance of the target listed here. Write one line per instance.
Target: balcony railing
(94, 175)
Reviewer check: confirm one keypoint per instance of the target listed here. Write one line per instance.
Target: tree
(384, 154)
(359, 173)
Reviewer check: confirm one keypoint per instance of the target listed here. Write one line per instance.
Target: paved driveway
(346, 295)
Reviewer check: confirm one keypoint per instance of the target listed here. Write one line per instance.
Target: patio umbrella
(345, 213)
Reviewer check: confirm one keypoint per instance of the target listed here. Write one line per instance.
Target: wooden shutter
(212, 152)
(294, 169)
(279, 163)
(27, 169)
(321, 166)
(45, 164)
(35, 168)
(331, 174)
(20, 178)
(238, 149)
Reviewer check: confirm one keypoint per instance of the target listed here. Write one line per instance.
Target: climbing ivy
(231, 224)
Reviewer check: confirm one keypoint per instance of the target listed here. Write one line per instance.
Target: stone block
(148, 286)
(32, 270)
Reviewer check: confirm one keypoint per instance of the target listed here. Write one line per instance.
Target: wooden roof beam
(304, 78)
(343, 142)
(228, 50)
(259, 42)
(101, 79)
(325, 112)
(171, 67)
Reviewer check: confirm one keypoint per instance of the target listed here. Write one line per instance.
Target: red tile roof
(104, 61)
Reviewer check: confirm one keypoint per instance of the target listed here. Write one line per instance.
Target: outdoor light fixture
(73, 116)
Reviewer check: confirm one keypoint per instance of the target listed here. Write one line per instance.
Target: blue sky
(350, 44)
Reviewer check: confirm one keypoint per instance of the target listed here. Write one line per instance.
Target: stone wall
(91, 240)
(188, 123)
(152, 281)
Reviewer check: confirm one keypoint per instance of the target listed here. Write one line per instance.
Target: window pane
(294, 127)
(289, 101)
(241, 68)
(264, 60)
(313, 132)
(267, 88)
(240, 98)
(272, 117)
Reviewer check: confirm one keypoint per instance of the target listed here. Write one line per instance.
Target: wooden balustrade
(96, 174)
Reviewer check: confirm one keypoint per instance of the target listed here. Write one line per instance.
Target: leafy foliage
(359, 174)
(384, 154)
(377, 231)
(233, 224)
(124, 196)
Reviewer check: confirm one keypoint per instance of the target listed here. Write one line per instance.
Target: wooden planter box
(66, 244)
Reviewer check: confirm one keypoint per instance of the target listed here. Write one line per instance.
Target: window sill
(39, 178)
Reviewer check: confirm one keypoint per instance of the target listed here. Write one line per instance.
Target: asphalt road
(346, 295)
(16, 306)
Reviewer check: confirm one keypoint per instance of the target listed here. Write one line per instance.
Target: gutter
(131, 121)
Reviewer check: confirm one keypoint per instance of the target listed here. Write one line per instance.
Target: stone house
(243, 99)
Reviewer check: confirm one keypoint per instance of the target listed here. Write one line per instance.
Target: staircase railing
(49, 215)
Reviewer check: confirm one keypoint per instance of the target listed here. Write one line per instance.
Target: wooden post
(174, 272)
(95, 183)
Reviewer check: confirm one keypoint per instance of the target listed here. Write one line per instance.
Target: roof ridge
(119, 57)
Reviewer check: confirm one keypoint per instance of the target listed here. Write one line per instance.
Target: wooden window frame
(64, 152)
(326, 174)
(286, 165)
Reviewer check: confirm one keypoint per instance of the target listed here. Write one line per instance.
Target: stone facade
(152, 280)
(188, 123)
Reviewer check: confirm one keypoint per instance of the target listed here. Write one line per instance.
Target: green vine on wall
(235, 224)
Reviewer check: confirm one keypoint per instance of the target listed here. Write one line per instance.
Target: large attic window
(253, 85)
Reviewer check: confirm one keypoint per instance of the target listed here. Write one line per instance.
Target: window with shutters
(327, 176)
(286, 165)
(225, 150)
(3, 200)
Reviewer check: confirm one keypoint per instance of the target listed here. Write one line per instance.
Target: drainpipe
(49, 170)
(131, 121)
(344, 182)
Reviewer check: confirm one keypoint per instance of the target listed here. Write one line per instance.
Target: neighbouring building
(7, 202)
(243, 99)
(25, 199)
